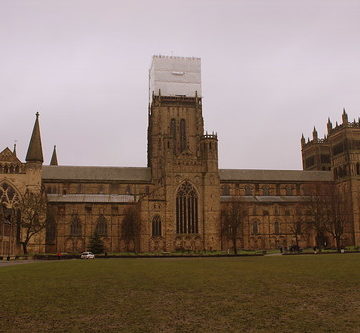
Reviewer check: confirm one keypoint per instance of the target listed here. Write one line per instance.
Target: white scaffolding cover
(175, 76)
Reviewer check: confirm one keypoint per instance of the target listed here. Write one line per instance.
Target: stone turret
(209, 150)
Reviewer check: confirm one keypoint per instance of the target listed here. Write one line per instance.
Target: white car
(87, 255)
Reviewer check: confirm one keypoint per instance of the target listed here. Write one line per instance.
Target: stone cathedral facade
(181, 193)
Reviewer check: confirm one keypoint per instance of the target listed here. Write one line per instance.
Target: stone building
(179, 197)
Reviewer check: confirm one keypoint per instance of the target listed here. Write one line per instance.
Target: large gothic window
(8, 196)
(101, 226)
(156, 226)
(186, 210)
(75, 225)
(182, 135)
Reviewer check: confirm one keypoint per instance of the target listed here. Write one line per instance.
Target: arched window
(248, 190)
(226, 190)
(277, 227)
(8, 196)
(101, 225)
(288, 190)
(266, 190)
(186, 210)
(183, 143)
(255, 228)
(75, 229)
(156, 226)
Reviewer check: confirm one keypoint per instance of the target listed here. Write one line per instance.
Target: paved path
(5, 263)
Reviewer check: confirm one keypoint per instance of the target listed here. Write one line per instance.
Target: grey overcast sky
(270, 71)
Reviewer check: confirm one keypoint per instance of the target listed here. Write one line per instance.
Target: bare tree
(331, 213)
(338, 207)
(299, 225)
(32, 220)
(317, 204)
(130, 227)
(232, 221)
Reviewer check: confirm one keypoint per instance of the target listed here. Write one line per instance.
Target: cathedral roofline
(97, 173)
(274, 175)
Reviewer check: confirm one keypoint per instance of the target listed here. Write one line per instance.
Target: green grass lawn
(244, 294)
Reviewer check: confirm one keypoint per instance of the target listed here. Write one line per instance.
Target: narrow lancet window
(156, 226)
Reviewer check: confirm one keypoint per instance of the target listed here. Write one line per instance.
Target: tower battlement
(331, 131)
(333, 151)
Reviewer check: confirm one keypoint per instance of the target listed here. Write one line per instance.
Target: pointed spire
(34, 153)
(54, 160)
(315, 134)
(329, 125)
(302, 139)
(14, 151)
(344, 117)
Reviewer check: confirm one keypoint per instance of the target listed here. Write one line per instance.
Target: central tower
(183, 159)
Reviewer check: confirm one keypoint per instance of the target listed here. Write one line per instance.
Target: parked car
(87, 255)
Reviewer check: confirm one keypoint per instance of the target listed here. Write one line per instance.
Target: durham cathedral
(181, 196)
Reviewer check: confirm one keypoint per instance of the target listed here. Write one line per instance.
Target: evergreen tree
(96, 244)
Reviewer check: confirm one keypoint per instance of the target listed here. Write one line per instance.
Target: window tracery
(186, 210)
(8, 196)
